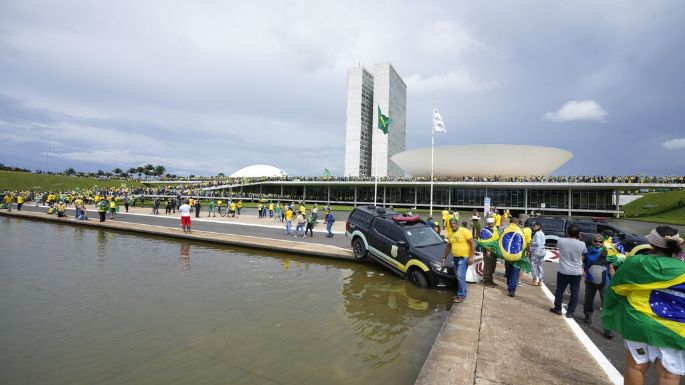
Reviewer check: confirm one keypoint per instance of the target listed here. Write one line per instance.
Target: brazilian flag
(510, 245)
(383, 121)
(646, 301)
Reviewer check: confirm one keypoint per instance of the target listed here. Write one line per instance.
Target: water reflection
(382, 311)
(184, 259)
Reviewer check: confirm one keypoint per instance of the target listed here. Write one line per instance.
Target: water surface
(87, 306)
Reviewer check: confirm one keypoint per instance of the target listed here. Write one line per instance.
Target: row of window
(448, 197)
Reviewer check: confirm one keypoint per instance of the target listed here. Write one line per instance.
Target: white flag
(438, 123)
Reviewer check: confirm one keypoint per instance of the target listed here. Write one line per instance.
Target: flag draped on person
(646, 301)
(383, 121)
(509, 246)
(438, 123)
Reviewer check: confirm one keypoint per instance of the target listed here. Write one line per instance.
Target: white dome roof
(483, 160)
(258, 170)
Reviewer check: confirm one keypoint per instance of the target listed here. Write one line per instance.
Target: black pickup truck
(404, 244)
(555, 228)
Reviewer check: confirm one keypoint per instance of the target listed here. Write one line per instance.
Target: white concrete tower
(390, 93)
(359, 124)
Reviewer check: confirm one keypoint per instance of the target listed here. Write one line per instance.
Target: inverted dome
(483, 160)
(258, 170)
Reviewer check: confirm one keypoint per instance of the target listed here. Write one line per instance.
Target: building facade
(359, 122)
(390, 94)
(367, 148)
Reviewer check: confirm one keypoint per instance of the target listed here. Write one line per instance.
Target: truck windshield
(423, 236)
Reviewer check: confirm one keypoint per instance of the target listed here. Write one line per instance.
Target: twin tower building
(367, 149)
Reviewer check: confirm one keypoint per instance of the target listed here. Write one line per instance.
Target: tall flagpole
(375, 173)
(432, 145)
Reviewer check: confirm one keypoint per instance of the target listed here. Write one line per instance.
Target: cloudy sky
(212, 86)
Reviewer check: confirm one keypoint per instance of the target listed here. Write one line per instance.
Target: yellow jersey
(459, 240)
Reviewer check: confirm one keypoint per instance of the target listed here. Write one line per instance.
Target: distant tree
(117, 171)
(168, 176)
(132, 170)
(70, 171)
(191, 176)
(101, 173)
(124, 175)
(220, 174)
(140, 170)
(149, 169)
(159, 170)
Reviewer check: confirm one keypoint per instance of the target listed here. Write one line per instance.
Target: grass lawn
(665, 207)
(23, 181)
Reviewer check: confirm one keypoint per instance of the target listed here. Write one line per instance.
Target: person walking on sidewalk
(489, 233)
(197, 208)
(596, 270)
(301, 222)
(463, 248)
(644, 304)
(570, 271)
(212, 207)
(537, 254)
(311, 222)
(185, 215)
(329, 222)
(288, 221)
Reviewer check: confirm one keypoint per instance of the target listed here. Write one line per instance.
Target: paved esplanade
(489, 339)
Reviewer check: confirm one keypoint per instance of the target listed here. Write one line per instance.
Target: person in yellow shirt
(8, 201)
(498, 220)
(233, 209)
(271, 209)
(463, 248)
(302, 209)
(112, 208)
(20, 201)
(239, 207)
(289, 221)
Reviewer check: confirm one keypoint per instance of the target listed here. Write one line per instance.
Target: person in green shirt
(212, 207)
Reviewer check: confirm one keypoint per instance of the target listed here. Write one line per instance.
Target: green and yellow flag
(383, 121)
(646, 301)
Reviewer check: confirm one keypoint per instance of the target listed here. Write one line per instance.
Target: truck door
(399, 253)
(379, 236)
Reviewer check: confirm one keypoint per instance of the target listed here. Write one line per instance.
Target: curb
(269, 244)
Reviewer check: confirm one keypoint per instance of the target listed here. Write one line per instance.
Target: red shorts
(185, 221)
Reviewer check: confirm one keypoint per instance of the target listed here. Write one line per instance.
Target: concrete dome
(258, 170)
(483, 160)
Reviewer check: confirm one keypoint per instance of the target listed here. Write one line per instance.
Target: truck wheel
(358, 248)
(417, 278)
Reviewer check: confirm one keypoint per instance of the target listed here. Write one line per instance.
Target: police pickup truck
(404, 244)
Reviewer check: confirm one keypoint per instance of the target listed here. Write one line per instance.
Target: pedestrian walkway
(492, 338)
(247, 219)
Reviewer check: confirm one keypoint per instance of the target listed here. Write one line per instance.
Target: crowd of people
(214, 181)
(642, 297)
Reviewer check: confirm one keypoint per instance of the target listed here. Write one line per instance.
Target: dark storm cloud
(211, 87)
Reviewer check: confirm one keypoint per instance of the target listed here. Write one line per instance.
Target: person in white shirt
(185, 215)
(570, 270)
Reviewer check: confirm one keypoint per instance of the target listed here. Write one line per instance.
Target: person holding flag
(645, 303)
(438, 126)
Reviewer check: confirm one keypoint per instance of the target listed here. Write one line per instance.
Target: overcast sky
(203, 87)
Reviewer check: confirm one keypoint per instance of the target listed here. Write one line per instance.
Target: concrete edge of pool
(278, 245)
(477, 344)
